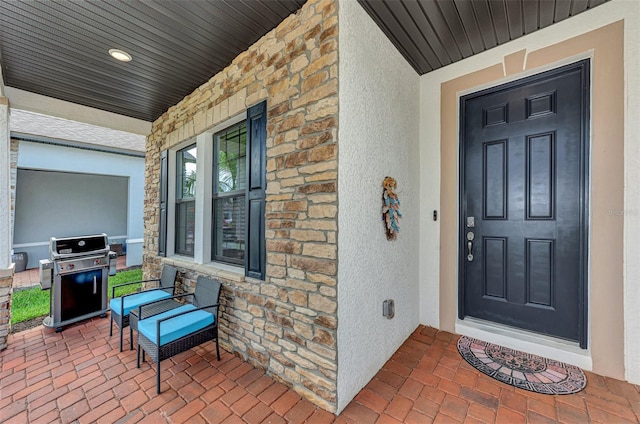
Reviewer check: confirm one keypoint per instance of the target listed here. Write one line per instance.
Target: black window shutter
(255, 255)
(164, 188)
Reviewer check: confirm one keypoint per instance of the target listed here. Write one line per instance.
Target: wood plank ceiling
(58, 48)
(431, 34)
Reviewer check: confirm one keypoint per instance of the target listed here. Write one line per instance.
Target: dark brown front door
(523, 203)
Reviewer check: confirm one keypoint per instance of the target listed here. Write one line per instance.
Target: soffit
(431, 34)
(59, 48)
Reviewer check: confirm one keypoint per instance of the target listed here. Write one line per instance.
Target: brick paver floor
(80, 376)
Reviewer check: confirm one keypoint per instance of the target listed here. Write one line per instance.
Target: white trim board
(536, 344)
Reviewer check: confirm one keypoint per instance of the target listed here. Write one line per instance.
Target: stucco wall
(5, 186)
(6, 207)
(62, 204)
(13, 165)
(378, 137)
(612, 208)
(39, 156)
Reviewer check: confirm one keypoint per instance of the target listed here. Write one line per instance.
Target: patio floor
(79, 376)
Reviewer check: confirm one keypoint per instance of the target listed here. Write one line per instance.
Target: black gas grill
(78, 270)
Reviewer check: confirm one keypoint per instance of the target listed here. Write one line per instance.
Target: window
(229, 193)
(185, 200)
(224, 220)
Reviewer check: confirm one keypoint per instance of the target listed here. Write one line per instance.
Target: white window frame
(204, 186)
(175, 183)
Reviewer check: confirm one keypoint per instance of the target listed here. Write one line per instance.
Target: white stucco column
(6, 267)
(632, 191)
(5, 186)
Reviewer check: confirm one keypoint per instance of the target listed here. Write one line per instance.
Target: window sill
(214, 269)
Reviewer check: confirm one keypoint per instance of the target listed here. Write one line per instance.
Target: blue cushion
(177, 327)
(135, 300)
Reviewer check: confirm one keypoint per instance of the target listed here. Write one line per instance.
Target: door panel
(495, 180)
(523, 180)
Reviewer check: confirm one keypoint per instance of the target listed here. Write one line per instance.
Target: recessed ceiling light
(120, 55)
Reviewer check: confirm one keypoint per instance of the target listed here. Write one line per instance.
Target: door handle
(95, 289)
(470, 237)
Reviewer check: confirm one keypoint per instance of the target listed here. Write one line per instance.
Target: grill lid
(78, 245)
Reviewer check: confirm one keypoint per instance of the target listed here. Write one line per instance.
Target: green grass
(28, 304)
(32, 303)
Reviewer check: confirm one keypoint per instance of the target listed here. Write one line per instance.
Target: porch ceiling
(59, 48)
(431, 34)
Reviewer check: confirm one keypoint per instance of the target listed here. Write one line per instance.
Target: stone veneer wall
(287, 323)
(5, 308)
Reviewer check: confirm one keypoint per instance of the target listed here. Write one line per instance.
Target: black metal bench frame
(166, 282)
(207, 291)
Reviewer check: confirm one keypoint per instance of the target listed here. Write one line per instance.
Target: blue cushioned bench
(173, 331)
(176, 324)
(124, 304)
(121, 306)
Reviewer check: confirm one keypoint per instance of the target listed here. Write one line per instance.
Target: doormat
(522, 370)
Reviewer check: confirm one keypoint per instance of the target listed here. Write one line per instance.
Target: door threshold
(537, 344)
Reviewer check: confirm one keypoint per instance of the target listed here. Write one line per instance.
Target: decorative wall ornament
(390, 208)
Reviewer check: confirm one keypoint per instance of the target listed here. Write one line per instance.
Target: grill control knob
(71, 266)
